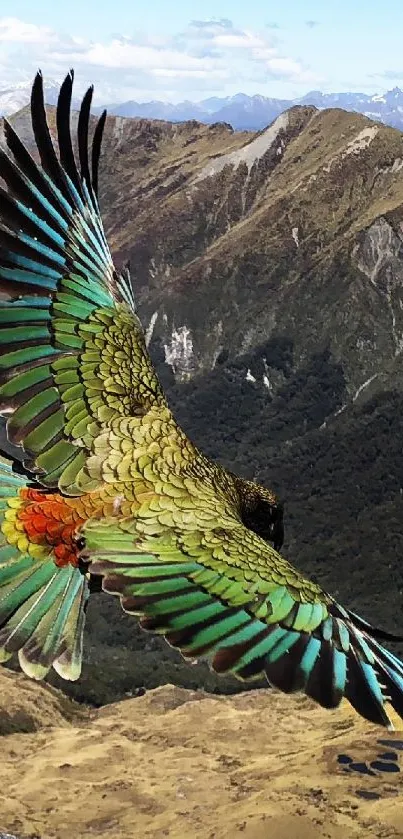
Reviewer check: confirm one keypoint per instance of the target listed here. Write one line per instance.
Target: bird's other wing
(72, 349)
(225, 594)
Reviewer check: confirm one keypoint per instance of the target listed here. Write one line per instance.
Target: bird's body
(109, 488)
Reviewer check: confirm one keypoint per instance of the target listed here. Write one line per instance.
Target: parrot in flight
(109, 493)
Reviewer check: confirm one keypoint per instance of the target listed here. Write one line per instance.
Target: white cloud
(209, 57)
(284, 66)
(121, 54)
(243, 40)
(19, 32)
(184, 74)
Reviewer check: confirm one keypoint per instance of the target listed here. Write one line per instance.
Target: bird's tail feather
(42, 606)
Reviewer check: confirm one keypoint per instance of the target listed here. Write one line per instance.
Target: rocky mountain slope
(268, 269)
(169, 764)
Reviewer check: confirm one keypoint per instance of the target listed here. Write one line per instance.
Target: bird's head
(261, 511)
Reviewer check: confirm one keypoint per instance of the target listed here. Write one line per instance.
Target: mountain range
(268, 270)
(242, 112)
(253, 113)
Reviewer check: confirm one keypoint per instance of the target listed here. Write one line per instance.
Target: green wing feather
(72, 350)
(229, 597)
(42, 607)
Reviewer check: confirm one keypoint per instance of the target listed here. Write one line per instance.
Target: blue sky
(174, 50)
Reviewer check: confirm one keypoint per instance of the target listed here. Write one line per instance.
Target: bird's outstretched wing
(225, 594)
(78, 391)
(72, 350)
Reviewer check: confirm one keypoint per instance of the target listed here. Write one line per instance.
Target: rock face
(294, 233)
(268, 270)
(237, 238)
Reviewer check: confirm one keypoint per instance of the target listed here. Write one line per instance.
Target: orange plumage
(51, 520)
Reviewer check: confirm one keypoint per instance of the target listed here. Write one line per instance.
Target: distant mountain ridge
(252, 113)
(242, 112)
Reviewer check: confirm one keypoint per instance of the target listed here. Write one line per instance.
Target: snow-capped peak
(16, 96)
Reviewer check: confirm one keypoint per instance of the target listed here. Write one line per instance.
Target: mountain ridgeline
(268, 270)
(242, 111)
(245, 112)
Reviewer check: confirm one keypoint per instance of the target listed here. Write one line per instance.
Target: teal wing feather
(72, 350)
(230, 597)
(42, 606)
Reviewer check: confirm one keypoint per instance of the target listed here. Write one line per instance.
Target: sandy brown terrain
(183, 764)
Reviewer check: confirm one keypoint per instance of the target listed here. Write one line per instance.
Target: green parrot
(109, 492)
